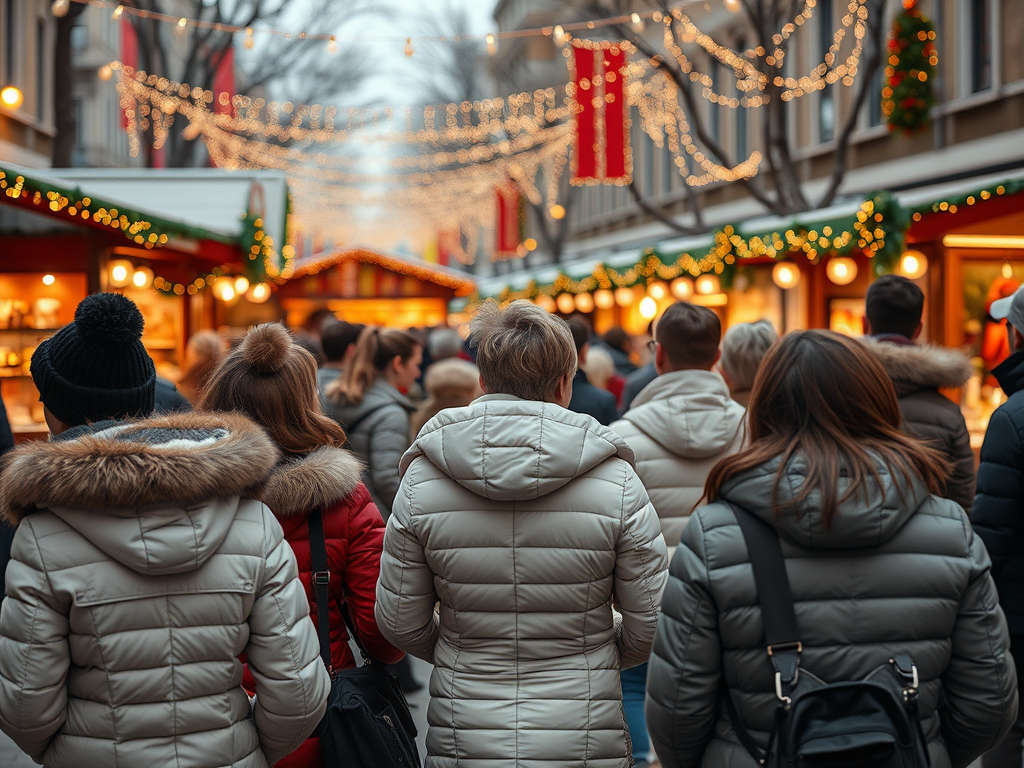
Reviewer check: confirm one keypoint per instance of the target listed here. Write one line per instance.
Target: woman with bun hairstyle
(878, 564)
(272, 380)
(369, 402)
(143, 566)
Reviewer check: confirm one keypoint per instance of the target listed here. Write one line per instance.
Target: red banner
(224, 83)
(601, 120)
(508, 229)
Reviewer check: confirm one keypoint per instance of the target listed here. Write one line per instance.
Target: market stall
(63, 238)
(365, 286)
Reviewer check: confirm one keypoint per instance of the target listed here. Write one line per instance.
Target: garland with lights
(908, 95)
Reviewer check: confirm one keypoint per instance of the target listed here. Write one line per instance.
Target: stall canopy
(878, 225)
(367, 286)
(212, 215)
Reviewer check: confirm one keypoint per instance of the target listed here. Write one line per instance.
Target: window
(10, 75)
(79, 35)
(875, 116)
(826, 99)
(41, 69)
(79, 113)
(714, 111)
(668, 168)
(981, 45)
(742, 143)
(647, 144)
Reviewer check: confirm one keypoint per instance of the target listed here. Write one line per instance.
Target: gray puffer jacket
(523, 522)
(378, 430)
(899, 571)
(142, 568)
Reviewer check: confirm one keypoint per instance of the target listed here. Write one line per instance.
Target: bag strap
(321, 580)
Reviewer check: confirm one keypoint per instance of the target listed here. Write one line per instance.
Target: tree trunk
(63, 86)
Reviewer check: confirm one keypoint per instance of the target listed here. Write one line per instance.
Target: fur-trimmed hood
(318, 480)
(158, 495)
(915, 367)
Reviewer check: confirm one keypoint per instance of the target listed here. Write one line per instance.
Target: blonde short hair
(522, 350)
(743, 349)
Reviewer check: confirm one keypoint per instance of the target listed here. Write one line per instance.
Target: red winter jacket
(328, 479)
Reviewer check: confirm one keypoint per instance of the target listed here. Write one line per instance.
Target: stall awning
(877, 226)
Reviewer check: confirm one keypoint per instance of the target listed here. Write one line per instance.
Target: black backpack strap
(321, 579)
(776, 598)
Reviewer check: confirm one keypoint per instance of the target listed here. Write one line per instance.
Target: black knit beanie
(96, 368)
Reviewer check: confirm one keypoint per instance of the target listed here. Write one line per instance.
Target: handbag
(868, 723)
(367, 723)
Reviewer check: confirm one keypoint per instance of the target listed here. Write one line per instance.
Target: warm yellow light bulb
(557, 211)
(117, 13)
(241, 284)
(648, 308)
(11, 97)
(49, 279)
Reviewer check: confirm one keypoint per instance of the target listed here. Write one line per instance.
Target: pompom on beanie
(96, 367)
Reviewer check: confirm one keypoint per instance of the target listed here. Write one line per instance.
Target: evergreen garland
(907, 95)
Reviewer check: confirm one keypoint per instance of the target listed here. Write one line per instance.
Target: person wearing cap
(142, 567)
(998, 514)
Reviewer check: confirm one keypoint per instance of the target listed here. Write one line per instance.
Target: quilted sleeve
(283, 653)
(640, 562)
(34, 653)
(684, 673)
(362, 570)
(389, 438)
(405, 592)
(997, 506)
(980, 682)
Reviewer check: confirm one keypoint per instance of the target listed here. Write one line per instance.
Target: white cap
(1011, 308)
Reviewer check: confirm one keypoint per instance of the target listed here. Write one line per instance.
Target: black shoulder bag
(869, 723)
(367, 723)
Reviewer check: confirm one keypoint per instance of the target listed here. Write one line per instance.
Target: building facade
(27, 32)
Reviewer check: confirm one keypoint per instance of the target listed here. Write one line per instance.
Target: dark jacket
(898, 571)
(6, 531)
(168, 399)
(918, 371)
(588, 399)
(623, 365)
(635, 383)
(998, 514)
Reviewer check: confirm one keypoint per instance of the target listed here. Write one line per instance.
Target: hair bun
(109, 318)
(266, 347)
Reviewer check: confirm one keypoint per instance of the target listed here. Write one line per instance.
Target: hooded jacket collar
(157, 495)
(689, 413)
(868, 518)
(507, 449)
(318, 480)
(914, 367)
(1010, 373)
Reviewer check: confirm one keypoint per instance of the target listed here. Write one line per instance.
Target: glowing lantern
(648, 308)
(657, 290)
(584, 303)
(241, 285)
(258, 293)
(682, 288)
(624, 297)
(566, 303)
(707, 284)
(604, 299)
(545, 302)
(913, 264)
(786, 275)
(121, 272)
(841, 270)
(142, 278)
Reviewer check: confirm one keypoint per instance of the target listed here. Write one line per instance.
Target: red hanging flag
(509, 221)
(601, 117)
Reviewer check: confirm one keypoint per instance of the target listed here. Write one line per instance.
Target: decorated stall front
(63, 238)
(365, 286)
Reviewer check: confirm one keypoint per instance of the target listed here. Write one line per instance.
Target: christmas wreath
(907, 95)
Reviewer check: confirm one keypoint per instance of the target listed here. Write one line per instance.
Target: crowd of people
(551, 519)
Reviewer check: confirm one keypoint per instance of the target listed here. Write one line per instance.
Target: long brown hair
(203, 354)
(375, 350)
(826, 398)
(272, 380)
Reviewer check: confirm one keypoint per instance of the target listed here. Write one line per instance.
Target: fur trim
(317, 480)
(186, 458)
(918, 367)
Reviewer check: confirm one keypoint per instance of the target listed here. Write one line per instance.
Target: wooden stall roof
(460, 284)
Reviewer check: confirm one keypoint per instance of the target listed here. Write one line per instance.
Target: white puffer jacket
(679, 427)
(525, 522)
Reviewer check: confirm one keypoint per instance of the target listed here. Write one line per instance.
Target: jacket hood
(868, 518)
(379, 394)
(915, 367)
(158, 495)
(318, 480)
(688, 413)
(1010, 373)
(507, 449)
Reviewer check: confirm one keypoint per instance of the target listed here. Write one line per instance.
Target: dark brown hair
(689, 335)
(825, 398)
(272, 380)
(375, 350)
(894, 305)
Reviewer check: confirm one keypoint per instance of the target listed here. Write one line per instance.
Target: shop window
(981, 45)
(79, 35)
(875, 116)
(826, 99)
